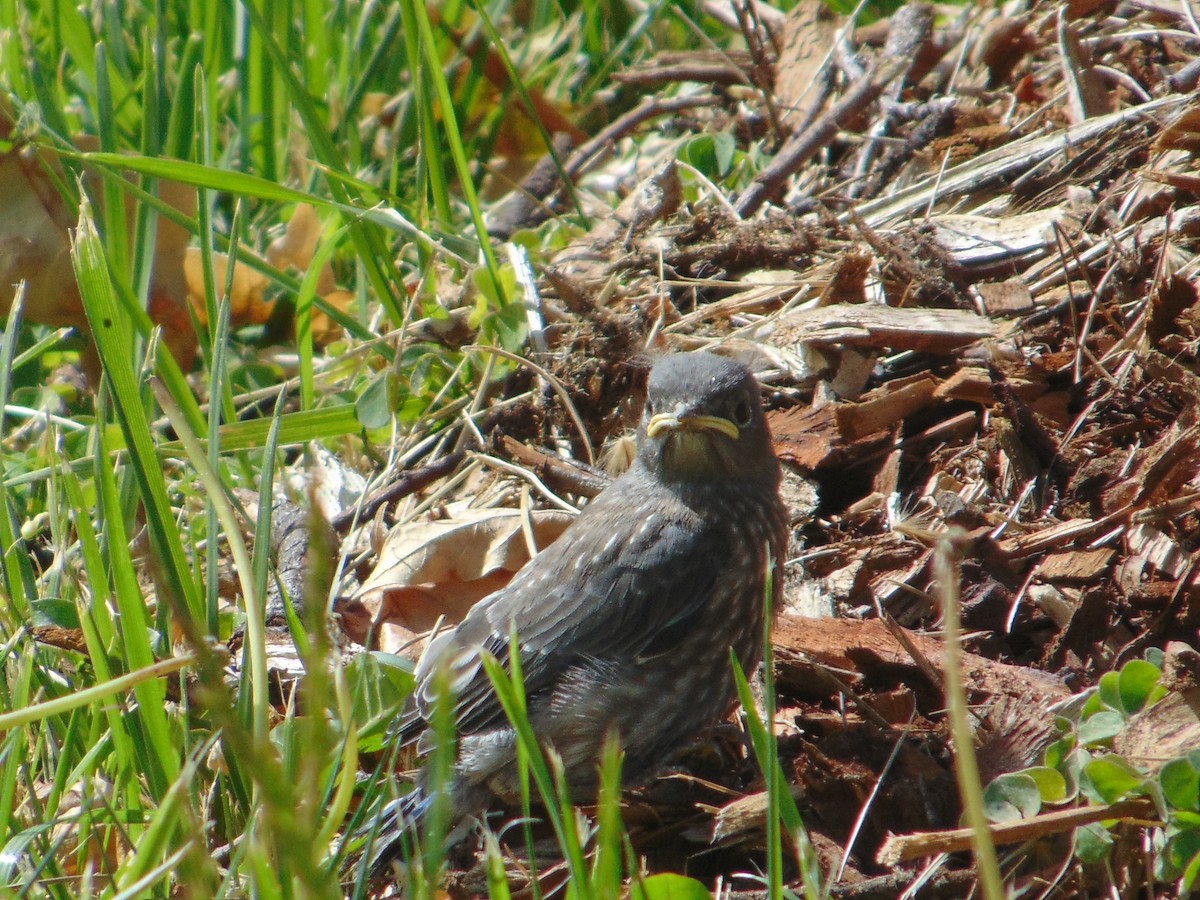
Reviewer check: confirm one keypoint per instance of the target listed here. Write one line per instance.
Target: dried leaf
(440, 569)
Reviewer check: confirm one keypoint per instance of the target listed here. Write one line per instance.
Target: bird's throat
(691, 455)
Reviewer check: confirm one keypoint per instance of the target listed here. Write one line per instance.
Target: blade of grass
(966, 767)
(98, 692)
(18, 575)
(510, 693)
(433, 70)
(113, 346)
(255, 639)
(372, 252)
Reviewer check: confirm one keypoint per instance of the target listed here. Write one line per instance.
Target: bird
(626, 622)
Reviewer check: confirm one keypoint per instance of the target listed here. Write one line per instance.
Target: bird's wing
(596, 593)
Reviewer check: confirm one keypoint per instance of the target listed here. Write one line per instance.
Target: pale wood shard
(978, 241)
(870, 325)
(1075, 565)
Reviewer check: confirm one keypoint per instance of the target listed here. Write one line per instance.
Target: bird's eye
(741, 414)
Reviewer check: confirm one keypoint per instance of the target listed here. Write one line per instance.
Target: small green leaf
(1188, 880)
(1011, 797)
(1108, 689)
(1093, 704)
(1136, 683)
(668, 886)
(374, 406)
(1052, 786)
(1155, 657)
(1110, 778)
(1103, 726)
(1092, 843)
(1057, 752)
(1180, 784)
(55, 613)
(1183, 848)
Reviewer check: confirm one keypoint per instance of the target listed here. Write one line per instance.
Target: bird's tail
(399, 823)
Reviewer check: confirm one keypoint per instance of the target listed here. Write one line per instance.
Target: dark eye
(649, 407)
(741, 414)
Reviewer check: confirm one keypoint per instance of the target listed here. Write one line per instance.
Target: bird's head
(704, 421)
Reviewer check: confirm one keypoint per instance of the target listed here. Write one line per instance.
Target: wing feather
(587, 596)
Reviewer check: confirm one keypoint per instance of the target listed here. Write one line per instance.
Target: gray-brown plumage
(627, 620)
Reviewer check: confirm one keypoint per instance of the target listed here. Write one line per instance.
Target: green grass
(116, 778)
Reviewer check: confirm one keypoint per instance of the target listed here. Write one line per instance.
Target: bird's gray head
(704, 421)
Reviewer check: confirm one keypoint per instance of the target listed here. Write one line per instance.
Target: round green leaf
(1051, 785)
(1011, 797)
(1109, 690)
(1092, 843)
(711, 154)
(1110, 778)
(1184, 820)
(1103, 726)
(1136, 684)
(1182, 848)
(1180, 784)
(374, 406)
(668, 886)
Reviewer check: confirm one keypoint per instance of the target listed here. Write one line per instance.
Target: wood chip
(863, 325)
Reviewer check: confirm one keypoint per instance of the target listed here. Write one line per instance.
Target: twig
(902, 847)
(801, 148)
(407, 483)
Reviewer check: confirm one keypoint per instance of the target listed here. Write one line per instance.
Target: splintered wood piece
(976, 241)
(1010, 297)
(1060, 535)
(975, 385)
(1006, 163)
(1075, 565)
(905, 328)
(805, 44)
(836, 432)
(869, 648)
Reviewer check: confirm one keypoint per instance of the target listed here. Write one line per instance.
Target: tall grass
(129, 764)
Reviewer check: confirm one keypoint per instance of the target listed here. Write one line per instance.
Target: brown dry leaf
(324, 329)
(435, 570)
(1005, 42)
(35, 247)
(64, 836)
(298, 244)
(245, 294)
(1182, 134)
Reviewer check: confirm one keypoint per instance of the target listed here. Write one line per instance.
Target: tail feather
(399, 822)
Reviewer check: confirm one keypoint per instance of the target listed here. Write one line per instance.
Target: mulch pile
(967, 278)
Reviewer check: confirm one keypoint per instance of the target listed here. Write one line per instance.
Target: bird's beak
(674, 422)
